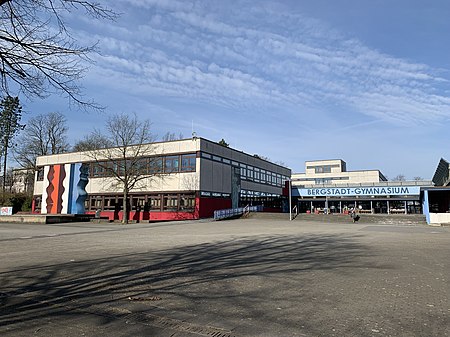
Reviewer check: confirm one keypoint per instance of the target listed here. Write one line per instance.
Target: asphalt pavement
(245, 277)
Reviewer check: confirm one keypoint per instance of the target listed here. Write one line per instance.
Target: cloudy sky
(366, 81)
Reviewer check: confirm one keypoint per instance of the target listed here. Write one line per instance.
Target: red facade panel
(207, 206)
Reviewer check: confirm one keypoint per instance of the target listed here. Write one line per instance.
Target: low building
(19, 181)
(184, 179)
(437, 198)
(327, 186)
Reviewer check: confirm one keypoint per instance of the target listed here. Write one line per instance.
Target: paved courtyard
(247, 277)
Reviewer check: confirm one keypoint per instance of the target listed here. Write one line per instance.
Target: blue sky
(364, 81)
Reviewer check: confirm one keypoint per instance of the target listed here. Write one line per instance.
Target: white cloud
(261, 58)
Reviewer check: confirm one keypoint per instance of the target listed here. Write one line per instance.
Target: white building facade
(184, 179)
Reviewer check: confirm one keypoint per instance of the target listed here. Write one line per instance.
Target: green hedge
(20, 202)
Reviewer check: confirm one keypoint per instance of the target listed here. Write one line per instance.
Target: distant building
(327, 186)
(195, 177)
(334, 171)
(19, 181)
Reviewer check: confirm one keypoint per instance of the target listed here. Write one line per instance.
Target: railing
(234, 212)
(246, 210)
(294, 212)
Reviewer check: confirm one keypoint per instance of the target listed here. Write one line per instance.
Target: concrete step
(402, 219)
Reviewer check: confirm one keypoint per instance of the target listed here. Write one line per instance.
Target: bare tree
(43, 135)
(418, 178)
(125, 156)
(37, 53)
(169, 136)
(399, 177)
(93, 141)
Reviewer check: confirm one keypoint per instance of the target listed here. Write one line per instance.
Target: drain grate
(125, 314)
(174, 324)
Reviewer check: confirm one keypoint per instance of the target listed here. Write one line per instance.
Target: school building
(184, 179)
(191, 178)
(327, 186)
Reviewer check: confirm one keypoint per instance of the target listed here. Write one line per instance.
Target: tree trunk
(125, 208)
(4, 168)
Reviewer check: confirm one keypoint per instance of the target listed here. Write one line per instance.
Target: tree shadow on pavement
(235, 273)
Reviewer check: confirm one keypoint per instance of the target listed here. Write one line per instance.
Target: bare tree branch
(43, 135)
(124, 155)
(39, 61)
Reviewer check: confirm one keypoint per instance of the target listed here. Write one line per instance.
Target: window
(119, 167)
(110, 203)
(142, 166)
(37, 204)
(155, 165)
(257, 175)
(95, 202)
(187, 202)
(273, 181)
(138, 203)
(206, 155)
(188, 163)
(170, 202)
(323, 180)
(250, 173)
(322, 168)
(263, 176)
(40, 174)
(97, 170)
(278, 179)
(172, 164)
(155, 202)
(243, 172)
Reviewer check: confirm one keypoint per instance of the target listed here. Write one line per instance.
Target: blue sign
(357, 191)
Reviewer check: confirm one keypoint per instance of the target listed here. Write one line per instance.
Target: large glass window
(119, 167)
(97, 170)
(188, 162)
(172, 164)
(155, 165)
(142, 166)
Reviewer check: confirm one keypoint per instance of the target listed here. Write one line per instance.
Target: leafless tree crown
(38, 56)
(43, 135)
(124, 154)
